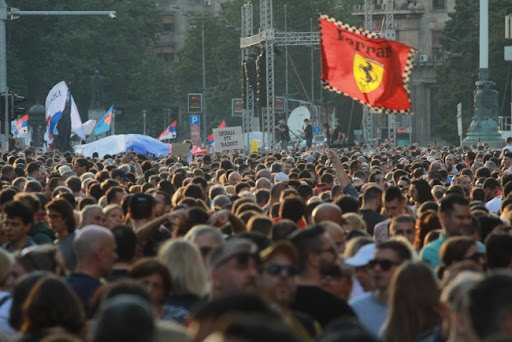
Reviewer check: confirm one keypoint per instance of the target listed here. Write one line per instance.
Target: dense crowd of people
(367, 243)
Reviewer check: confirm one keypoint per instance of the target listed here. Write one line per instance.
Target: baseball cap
(63, 169)
(363, 256)
(281, 177)
(311, 158)
(284, 247)
(119, 173)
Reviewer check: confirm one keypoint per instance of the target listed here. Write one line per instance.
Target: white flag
(55, 104)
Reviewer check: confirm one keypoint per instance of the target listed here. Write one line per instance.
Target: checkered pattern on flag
(375, 71)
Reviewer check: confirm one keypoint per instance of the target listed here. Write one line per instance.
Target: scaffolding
(267, 39)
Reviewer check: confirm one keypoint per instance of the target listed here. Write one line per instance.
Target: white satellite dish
(296, 121)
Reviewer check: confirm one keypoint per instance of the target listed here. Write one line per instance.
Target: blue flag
(104, 124)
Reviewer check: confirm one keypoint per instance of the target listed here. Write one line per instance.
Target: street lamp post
(203, 64)
(144, 119)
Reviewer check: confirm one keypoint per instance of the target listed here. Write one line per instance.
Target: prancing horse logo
(367, 73)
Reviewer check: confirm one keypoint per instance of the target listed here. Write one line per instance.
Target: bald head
(90, 240)
(234, 178)
(337, 235)
(264, 173)
(263, 183)
(326, 212)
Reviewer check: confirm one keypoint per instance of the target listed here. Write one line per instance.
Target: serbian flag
(374, 71)
(210, 139)
(169, 132)
(22, 125)
(223, 124)
(104, 124)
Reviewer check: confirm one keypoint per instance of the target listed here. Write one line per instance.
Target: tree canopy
(457, 76)
(44, 50)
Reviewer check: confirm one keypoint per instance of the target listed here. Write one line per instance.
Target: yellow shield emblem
(367, 73)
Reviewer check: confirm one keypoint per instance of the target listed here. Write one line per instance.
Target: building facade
(178, 17)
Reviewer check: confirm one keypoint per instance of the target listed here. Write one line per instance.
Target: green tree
(458, 74)
(51, 49)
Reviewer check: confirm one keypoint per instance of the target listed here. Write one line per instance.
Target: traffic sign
(195, 119)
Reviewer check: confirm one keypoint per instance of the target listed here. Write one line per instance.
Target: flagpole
(113, 129)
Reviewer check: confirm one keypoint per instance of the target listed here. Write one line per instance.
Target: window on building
(168, 23)
(166, 53)
(437, 48)
(439, 4)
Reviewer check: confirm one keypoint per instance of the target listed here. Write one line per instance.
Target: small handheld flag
(210, 139)
(223, 124)
(22, 125)
(169, 132)
(104, 124)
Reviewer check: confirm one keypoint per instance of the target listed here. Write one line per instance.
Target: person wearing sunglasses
(277, 284)
(234, 267)
(458, 249)
(317, 254)
(372, 307)
(207, 238)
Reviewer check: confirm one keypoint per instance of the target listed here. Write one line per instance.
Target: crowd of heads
(354, 244)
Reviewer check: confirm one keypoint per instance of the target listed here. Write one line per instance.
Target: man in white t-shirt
(508, 146)
(492, 189)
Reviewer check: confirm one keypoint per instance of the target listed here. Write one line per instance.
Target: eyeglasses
(384, 264)
(241, 258)
(476, 257)
(277, 269)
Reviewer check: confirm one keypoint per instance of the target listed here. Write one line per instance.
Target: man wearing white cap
(364, 281)
(372, 308)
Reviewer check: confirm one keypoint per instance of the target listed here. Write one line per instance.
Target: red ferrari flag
(375, 71)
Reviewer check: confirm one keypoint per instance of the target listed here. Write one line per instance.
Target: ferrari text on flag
(375, 71)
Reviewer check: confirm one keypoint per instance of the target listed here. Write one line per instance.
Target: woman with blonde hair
(189, 279)
(352, 221)
(413, 303)
(114, 216)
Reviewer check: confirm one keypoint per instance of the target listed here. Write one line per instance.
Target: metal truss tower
(267, 38)
(390, 33)
(248, 111)
(367, 114)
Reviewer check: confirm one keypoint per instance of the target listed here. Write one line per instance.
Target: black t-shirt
(308, 131)
(371, 218)
(336, 133)
(285, 133)
(320, 304)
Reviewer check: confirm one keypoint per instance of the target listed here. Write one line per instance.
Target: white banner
(55, 104)
(56, 99)
(230, 138)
